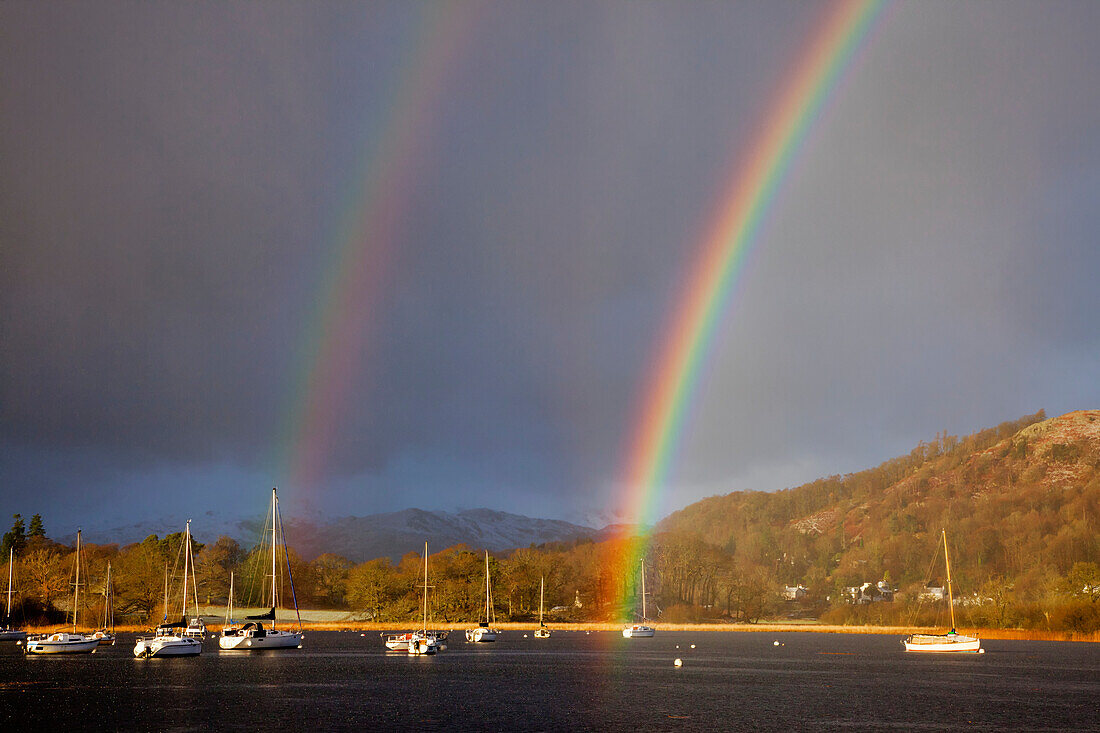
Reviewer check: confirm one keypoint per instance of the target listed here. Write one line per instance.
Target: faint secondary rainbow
(335, 344)
(710, 284)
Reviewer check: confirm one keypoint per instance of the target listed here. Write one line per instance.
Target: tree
(214, 563)
(36, 529)
(330, 574)
(372, 587)
(45, 574)
(1083, 581)
(16, 539)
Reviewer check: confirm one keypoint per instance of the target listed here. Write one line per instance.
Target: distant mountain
(378, 535)
(397, 533)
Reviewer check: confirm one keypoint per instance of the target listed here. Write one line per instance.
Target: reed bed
(370, 626)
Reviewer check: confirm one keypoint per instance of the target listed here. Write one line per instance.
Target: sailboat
(167, 639)
(229, 624)
(106, 635)
(64, 642)
(542, 632)
(484, 630)
(424, 641)
(253, 636)
(7, 633)
(640, 631)
(951, 641)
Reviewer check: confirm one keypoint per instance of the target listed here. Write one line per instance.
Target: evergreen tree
(15, 539)
(36, 529)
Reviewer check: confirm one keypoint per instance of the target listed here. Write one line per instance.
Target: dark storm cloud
(160, 179)
(175, 177)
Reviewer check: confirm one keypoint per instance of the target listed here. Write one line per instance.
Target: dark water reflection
(572, 681)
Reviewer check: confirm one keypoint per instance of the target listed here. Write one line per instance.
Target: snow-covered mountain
(397, 533)
(365, 538)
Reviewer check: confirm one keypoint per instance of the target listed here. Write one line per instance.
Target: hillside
(1020, 504)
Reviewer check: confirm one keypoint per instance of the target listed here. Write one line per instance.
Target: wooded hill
(1020, 503)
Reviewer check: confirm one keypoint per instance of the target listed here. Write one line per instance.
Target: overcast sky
(177, 179)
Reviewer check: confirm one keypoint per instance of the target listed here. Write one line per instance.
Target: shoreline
(600, 627)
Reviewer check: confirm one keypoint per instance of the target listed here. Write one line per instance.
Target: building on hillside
(869, 593)
(932, 593)
(794, 593)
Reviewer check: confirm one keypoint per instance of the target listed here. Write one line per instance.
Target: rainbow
(729, 239)
(334, 348)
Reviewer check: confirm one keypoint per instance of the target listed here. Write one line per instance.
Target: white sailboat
(168, 639)
(252, 636)
(640, 631)
(7, 633)
(106, 635)
(951, 641)
(484, 631)
(542, 632)
(65, 642)
(424, 641)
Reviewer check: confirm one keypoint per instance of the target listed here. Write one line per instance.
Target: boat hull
(942, 643)
(542, 633)
(400, 642)
(12, 635)
(481, 635)
(638, 632)
(275, 639)
(168, 646)
(62, 644)
(421, 644)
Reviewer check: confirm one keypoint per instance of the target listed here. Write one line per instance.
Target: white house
(793, 593)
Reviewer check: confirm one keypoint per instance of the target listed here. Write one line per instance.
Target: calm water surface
(572, 681)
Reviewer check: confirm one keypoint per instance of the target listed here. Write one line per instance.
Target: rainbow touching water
(333, 354)
(729, 239)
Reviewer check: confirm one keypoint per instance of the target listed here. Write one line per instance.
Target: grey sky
(173, 179)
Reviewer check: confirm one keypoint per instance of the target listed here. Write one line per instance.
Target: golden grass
(364, 626)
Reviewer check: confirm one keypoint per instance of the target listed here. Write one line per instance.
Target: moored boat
(642, 630)
(423, 641)
(7, 633)
(64, 642)
(542, 632)
(484, 631)
(106, 635)
(169, 639)
(254, 636)
(952, 641)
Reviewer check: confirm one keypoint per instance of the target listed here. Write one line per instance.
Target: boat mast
(76, 585)
(274, 551)
(166, 592)
(11, 564)
(107, 597)
(186, 565)
(229, 606)
(486, 586)
(425, 587)
(950, 596)
(643, 590)
(542, 589)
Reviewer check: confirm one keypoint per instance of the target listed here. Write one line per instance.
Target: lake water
(572, 681)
